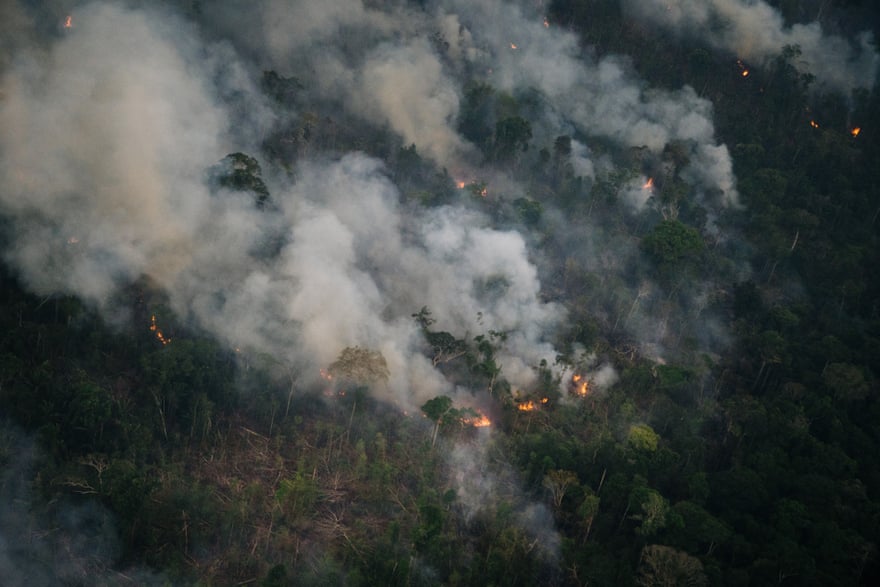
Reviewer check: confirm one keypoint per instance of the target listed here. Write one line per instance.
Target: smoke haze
(125, 112)
(755, 31)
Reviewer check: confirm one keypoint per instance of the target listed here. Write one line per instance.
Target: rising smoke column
(599, 98)
(119, 126)
(755, 31)
(128, 109)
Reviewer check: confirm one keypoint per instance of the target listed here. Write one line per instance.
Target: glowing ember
(155, 328)
(742, 66)
(648, 184)
(68, 22)
(528, 406)
(460, 184)
(745, 73)
(581, 385)
(855, 132)
(326, 376)
(546, 23)
(545, 400)
(513, 46)
(814, 124)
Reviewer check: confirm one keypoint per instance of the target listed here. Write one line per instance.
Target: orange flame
(513, 46)
(460, 184)
(326, 376)
(68, 22)
(155, 328)
(814, 124)
(546, 23)
(855, 132)
(480, 422)
(648, 184)
(582, 386)
(528, 406)
(745, 73)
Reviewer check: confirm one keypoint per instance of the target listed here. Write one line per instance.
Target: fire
(461, 184)
(326, 376)
(484, 192)
(480, 422)
(73, 240)
(528, 406)
(581, 385)
(68, 22)
(648, 184)
(546, 23)
(745, 73)
(742, 66)
(155, 328)
(814, 124)
(513, 46)
(855, 132)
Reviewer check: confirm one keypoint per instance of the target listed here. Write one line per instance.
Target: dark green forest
(739, 447)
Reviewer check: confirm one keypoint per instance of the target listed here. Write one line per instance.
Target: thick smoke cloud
(755, 31)
(107, 186)
(125, 112)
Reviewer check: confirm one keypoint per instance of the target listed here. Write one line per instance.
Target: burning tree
(440, 410)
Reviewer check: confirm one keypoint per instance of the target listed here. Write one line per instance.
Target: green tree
(512, 136)
(436, 409)
(671, 244)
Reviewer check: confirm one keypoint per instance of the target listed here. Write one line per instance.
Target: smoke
(483, 482)
(66, 543)
(407, 87)
(107, 185)
(755, 31)
(125, 112)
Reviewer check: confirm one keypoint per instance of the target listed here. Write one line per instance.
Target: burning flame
(745, 73)
(814, 124)
(528, 406)
(546, 23)
(461, 184)
(479, 422)
(513, 46)
(648, 184)
(582, 386)
(855, 132)
(155, 328)
(742, 66)
(68, 22)
(326, 376)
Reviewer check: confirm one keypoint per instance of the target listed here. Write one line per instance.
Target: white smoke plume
(598, 98)
(755, 31)
(125, 112)
(112, 187)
